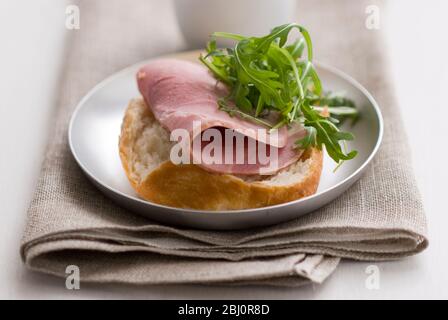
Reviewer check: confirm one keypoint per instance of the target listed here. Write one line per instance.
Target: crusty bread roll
(145, 149)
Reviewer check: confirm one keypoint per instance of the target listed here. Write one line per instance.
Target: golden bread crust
(189, 186)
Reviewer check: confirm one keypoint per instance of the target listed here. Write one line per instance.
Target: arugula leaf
(310, 139)
(265, 74)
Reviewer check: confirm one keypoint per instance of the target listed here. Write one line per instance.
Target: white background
(31, 53)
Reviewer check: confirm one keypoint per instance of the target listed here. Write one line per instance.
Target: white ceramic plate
(95, 127)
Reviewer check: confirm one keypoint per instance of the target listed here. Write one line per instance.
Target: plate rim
(119, 73)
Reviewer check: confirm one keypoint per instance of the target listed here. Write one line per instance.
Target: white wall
(418, 43)
(30, 56)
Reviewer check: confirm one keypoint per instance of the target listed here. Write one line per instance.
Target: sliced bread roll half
(145, 150)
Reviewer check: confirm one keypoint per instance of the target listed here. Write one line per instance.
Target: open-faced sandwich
(244, 130)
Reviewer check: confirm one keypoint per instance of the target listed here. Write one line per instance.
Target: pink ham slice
(180, 92)
(285, 156)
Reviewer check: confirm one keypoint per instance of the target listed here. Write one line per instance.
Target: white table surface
(30, 61)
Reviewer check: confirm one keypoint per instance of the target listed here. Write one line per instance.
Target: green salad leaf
(267, 75)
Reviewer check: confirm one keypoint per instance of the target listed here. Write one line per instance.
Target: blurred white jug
(199, 18)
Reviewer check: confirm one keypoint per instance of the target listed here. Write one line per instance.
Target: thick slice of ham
(285, 156)
(180, 92)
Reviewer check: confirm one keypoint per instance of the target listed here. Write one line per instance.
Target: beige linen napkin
(71, 223)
